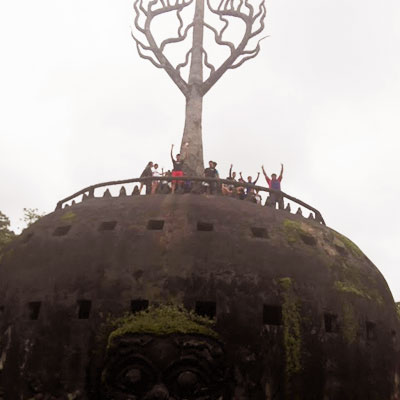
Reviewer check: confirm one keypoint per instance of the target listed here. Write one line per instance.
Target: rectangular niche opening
(84, 307)
(259, 232)
(138, 305)
(331, 323)
(308, 239)
(62, 230)
(371, 330)
(206, 309)
(107, 226)
(272, 315)
(155, 225)
(1, 310)
(34, 310)
(205, 226)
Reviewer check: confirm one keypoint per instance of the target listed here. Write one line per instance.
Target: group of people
(233, 189)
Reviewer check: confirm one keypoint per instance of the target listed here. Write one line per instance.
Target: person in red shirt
(177, 168)
(275, 184)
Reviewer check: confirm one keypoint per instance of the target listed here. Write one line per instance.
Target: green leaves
(6, 235)
(31, 215)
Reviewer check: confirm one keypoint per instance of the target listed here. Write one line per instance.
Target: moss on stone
(350, 246)
(398, 309)
(68, 216)
(285, 283)
(162, 320)
(352, 281)
(292, 230)
(295, 231)
(349, 324)
(291, 320)
(349, 287)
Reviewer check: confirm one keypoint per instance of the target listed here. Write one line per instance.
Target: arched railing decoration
(88, 192)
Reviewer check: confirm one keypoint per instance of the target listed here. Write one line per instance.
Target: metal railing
(196, 187)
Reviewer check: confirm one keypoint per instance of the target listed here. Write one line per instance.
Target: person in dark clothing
(275, 184)
(250, 191)
(177, 169)
(230, 190)
(232, 175)
(146, 172)
(210, 172)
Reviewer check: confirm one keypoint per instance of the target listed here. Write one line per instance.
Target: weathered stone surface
(301, 312)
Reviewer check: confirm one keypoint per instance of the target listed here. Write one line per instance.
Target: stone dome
(301, 311)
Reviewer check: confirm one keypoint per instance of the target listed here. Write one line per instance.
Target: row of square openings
(272, 314)
(158, 225)
(203, 308)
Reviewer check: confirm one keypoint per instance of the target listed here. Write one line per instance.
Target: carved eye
(187, 381)
(134, 379)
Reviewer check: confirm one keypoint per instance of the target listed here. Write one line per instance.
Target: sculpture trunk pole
(194, 89)
(192, 133)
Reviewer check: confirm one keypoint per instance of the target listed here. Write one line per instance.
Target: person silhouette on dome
(274, 183)
(147, 172)
(177, 169)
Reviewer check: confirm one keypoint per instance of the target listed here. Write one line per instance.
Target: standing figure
(177, 169)
(146, 172)
(230, 189)
(211, 172)
(250, 191)
(275, 184)
(155, 184)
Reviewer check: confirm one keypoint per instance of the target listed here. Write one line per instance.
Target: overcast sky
(78, 106)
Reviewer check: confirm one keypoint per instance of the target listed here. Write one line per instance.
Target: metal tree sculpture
(196, 87)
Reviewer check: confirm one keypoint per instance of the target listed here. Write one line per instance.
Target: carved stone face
(174, 367)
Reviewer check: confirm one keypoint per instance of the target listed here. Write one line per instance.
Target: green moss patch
(292, 230)
(349, 324)
(353, 281)
(295, 231)
(398, 309)
(350, 246)
(348, 287)
(163, 320)
(68, 216)
(291, 320)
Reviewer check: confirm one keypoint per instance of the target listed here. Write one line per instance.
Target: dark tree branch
(180, 37)
(139, 46)
(160, 60)
(207, 64)
(218, 37)
(227, 8)
(186, 62)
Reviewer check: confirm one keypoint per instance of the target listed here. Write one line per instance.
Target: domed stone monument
(192, 296)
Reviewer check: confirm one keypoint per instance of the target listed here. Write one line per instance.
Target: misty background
(78, 106)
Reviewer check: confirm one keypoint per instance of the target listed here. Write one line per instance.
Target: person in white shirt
(155, 184)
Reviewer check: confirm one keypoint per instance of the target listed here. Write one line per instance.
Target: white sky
(78, 107)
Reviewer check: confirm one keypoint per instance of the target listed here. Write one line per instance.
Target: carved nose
(159, 392)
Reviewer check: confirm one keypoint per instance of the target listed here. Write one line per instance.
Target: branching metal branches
(155, 53)
(242, 10)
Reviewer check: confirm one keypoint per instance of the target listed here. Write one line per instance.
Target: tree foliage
(6, 235)
(31, 215)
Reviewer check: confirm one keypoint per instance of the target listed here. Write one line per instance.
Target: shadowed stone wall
(300, 311)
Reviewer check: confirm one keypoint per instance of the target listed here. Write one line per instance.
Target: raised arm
(258, 175)
(281, 174)
(241, 177)
(230, 171)
(172, 157)
(265, 174)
